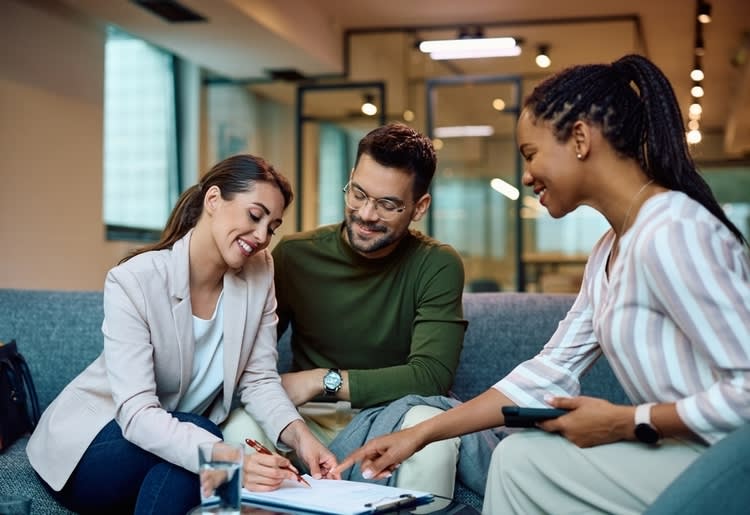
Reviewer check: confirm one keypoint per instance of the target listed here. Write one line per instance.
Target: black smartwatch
(645, 431)
(332, 382)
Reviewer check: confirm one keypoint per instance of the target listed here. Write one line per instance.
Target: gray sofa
(59, 333)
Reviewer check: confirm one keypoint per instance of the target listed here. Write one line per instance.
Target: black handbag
(19, 406)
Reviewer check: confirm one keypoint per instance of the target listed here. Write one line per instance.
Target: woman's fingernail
(367, 474)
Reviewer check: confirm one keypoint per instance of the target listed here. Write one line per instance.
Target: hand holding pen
(263, 450)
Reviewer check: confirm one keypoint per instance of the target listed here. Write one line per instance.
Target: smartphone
(515, 416)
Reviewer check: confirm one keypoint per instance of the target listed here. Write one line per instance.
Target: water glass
(220, 477)
(15, 505)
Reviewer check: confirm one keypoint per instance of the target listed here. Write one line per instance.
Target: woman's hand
(382, 455)
(321, 462)
(265, 472)
(591, 421)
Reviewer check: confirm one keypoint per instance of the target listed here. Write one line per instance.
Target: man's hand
(591, 421)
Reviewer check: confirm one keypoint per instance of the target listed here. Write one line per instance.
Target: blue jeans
(717, 482)
(116, 476)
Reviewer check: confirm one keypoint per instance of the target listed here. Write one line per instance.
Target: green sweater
(395, 323)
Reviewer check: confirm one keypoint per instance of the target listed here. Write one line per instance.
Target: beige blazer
(147, 361)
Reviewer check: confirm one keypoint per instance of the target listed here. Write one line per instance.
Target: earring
(579, 156)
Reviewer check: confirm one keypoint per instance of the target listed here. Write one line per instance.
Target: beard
(374, 243)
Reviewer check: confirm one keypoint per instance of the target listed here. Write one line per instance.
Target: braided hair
(635, 107)
(235, 174)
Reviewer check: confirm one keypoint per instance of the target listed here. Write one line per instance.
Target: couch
(59, 333)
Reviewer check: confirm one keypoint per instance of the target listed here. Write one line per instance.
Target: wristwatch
(645, 431)
(332, 382)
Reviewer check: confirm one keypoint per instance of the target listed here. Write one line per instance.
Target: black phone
(516, 416)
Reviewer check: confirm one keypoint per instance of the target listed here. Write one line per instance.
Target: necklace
(630, 207)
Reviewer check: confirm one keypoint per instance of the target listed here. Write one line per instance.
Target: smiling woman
(185, 321)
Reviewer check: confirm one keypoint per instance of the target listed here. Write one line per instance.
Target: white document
(338, 497)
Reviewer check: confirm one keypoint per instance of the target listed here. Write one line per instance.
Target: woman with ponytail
(665, 298)
(189, 323)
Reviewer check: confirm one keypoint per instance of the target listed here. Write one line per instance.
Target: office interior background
(108, 109)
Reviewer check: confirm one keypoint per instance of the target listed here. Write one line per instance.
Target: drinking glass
(220, 477)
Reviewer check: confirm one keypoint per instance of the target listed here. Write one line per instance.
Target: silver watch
(332, 382)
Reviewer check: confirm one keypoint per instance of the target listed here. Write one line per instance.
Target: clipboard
(338, 497)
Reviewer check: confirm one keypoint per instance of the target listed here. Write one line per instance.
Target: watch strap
(643, 414)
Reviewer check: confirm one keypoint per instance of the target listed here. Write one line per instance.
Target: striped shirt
(673, 321)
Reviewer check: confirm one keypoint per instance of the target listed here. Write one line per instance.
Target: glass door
(476, 191)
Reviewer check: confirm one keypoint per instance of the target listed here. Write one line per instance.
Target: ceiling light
(408, 115)
(505, 188)
(704, 12)
(475, 54)
(470, 48)
(368, 106)
(498, 104)
(694, 111)
(693, 125)
(462, 131)
(542, 57)
(696, 91)
(697, 72)
(478, 44)
(437, 143)
(694, 136)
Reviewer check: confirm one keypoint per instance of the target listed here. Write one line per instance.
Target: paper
(338, 496)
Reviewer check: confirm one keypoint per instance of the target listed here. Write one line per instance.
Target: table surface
(440, 505)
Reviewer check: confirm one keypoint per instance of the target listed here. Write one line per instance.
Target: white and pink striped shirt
(673, 321)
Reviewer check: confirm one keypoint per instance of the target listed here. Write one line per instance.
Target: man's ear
(421, 206)
(211, 200)
(582, 139)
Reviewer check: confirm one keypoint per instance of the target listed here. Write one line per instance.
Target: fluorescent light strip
(474, 54)
(461, 131)
(441, 45)
(505, 188)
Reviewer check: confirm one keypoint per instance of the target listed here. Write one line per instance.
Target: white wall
(51, 119)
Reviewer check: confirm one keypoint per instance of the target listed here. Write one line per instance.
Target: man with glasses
(375, 308)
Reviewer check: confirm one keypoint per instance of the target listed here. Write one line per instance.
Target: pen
(262, 449)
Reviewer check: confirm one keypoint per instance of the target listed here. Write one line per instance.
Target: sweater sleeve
(436, 340)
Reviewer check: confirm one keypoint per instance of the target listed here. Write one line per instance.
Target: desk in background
(554, 272)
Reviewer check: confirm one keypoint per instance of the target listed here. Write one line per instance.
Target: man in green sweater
(375, 307)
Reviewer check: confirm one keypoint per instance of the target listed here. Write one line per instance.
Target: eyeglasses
(385, 208)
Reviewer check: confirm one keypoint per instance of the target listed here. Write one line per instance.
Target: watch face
(332, 381)
(646, 433)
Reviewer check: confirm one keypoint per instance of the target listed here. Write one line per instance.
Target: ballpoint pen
(262, 449)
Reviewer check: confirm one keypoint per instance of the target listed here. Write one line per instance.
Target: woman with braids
(665, 298)
(188, 323)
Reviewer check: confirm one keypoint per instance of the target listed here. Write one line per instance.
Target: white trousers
(537, 472)
(433, 469)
